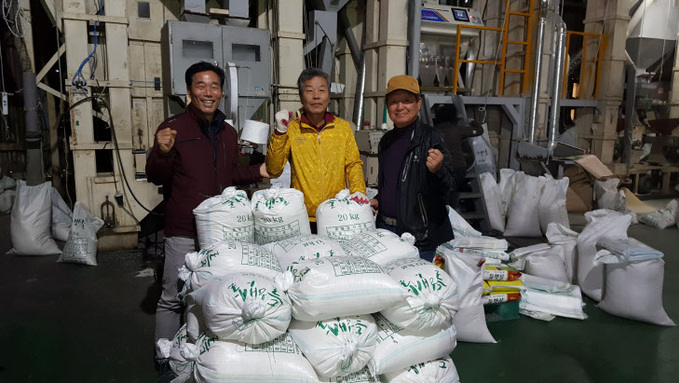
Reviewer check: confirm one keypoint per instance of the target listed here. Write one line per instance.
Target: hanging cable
(79, 80)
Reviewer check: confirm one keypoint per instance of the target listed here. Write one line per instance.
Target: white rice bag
(279, 214)
(338, 346)
(552, 205)
(461, 228)
(522, 215)
(493, 198)
(31, 223)
(662, 218)
(81, 246)
(62, 217)
(467, 272)
(171, 350)
(279, 360)
(633, 290)
(398, 349)
(223, 258)
(246, 307)
(431, 301)
(345, 215)
(558, 234)
(224, 217)
(326, 288)
(440, 370)
(601, 223)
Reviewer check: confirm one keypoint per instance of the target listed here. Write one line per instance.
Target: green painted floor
(71, 323)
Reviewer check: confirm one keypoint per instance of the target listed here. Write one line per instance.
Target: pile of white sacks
(626, 280)
(268, 301)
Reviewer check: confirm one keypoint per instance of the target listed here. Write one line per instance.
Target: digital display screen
(460, 15)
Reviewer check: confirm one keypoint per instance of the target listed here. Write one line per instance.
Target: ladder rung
(516, 71)
(519, 13)
(518, 42)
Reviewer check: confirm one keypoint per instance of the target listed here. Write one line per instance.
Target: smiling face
(403, 107)
(315, 97)
(206, 93)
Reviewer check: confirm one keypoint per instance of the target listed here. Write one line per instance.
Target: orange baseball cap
(403, 82)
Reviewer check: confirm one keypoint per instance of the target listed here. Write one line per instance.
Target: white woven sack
(171, 350)
(461, 228)
(340, 286)
(431, 300)
(279, 360)
(608, 196)
(7, 201)
(601, 223)
(558, 234)
(493, 198)
(439, 370)
(279, 214)
(31, 224)
(398, 349)
(338, 346)
(310, 246)
(662, 218)
(634, 291)
(223, 258)
(522, 215)
(81, 246)
(246, 307)
(381, 246)
(467, 272)
(552, 205)
(507, 185)
(7, 183)
(548, 263)
(62, 216)
(345, 215)
(224, 217)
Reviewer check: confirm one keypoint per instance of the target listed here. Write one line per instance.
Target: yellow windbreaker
(322, 163)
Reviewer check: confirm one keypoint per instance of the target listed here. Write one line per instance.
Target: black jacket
(422, 195)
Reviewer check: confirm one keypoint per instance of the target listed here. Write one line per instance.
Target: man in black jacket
(415, 172)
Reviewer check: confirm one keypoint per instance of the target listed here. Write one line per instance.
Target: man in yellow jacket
(321, 148)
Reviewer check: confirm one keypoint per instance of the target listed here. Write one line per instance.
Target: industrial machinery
(243, 52)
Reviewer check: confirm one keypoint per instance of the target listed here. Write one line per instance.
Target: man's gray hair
(307, 75)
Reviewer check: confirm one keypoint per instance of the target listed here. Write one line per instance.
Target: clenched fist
(434, 160)
(283, 118)
(165, 139)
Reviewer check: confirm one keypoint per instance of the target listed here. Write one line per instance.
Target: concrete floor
(72, 323)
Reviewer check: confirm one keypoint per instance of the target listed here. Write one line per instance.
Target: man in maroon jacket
(194, 156)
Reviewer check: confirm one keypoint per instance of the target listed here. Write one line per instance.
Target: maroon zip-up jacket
(194, 169)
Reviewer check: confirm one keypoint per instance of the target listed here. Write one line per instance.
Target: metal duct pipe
(558, 84)
(354, 48)
(34, 174)
(630, 99)
(533, 122)
(414, 27)
(359, 100)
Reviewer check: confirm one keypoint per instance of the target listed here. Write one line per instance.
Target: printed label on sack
(256, 256)
(266, 234)
(282, 344)
(354, 266)
(367, 245)
(347, 231)
(385, 328)
(244, 233)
